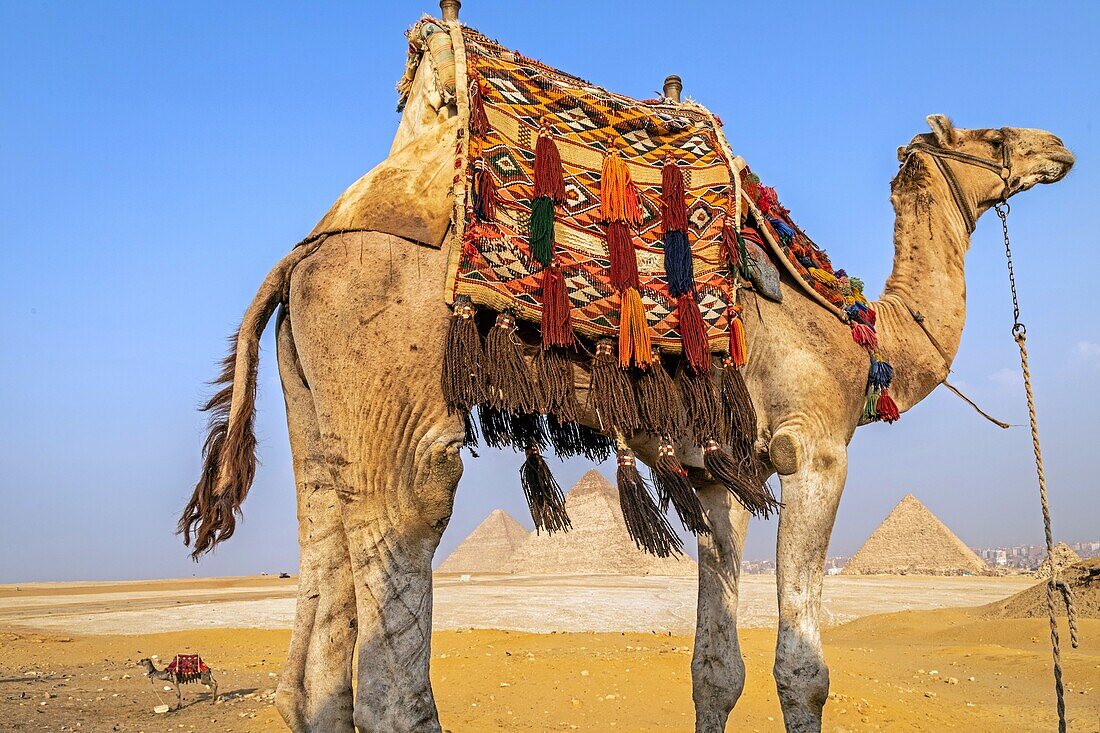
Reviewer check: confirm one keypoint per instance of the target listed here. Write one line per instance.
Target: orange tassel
(693, 334)
(618, 194)
(738, 350)
(634, 345)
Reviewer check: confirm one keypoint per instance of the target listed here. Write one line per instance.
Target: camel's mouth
(1057, 165)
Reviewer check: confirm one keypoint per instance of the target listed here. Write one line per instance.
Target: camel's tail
(229, 453)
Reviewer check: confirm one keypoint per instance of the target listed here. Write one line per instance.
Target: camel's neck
(930, 244)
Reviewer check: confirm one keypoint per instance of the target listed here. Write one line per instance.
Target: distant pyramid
(911, 540)
(598, 542)
(489, 548)
(1064, 557)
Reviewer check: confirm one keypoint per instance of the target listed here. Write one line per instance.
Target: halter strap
(939, 155)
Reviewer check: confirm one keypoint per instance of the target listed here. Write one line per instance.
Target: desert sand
(910, 670)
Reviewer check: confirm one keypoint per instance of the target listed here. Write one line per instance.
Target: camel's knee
(438, 470)
(785, 451)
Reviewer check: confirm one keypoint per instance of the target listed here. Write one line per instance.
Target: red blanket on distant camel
(188, 665)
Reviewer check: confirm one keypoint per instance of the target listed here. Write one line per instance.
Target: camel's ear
(901, 153)
(942, 129)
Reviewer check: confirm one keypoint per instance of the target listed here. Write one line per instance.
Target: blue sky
(156, 159)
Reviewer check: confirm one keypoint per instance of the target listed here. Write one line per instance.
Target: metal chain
(1055, 585)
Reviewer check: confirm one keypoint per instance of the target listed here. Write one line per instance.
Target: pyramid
(1064, 557)
(489, 548)
(911, 540)
(598, 542)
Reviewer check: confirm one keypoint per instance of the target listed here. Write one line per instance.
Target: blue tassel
(678, 267)
(881, 374)
(786, 234)
(858, 313)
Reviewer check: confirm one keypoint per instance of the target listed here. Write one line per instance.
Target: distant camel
(172, 674)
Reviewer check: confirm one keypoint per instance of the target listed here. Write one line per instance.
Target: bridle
(1003, 169)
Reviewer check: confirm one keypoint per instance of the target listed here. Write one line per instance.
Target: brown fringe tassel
(673, 200)
(610, 393)
(511, 386)
(659, 406)
(671, 481)
(573, 439)
(704, 417)
(496, 426)
(554, 381)
(645, 523)
(748, 487)
(544, 495)
(620, 251)
(463, 381)
(549, 180)
(634, 343)
(557, 319)
(739, 416)
(693, 334)
(529, 431)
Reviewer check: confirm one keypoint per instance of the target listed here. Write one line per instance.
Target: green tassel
(870, 407)
(542, 229)
(742, 256)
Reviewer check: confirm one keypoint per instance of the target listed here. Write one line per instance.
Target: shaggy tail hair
(229, 453)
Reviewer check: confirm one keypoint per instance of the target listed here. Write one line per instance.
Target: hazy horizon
(161, 158)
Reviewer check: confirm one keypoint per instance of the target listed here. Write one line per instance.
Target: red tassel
(693, 334)
(549, 180)
(624, 263)
(886, 408)
(738, 349)
(557, 322)
(485, 192)
(673, 199)
(479, 120)
(729, 244)
(864, 336)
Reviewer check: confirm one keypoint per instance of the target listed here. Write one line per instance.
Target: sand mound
(912, 541)
(489, 548)
(598, 542)
(1083, 579)
(1063, 555)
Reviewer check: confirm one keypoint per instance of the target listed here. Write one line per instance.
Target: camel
(360, 332)
(206, 678)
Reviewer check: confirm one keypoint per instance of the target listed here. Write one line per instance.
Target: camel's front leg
(717, 668)
(810, 497)
(314, 692)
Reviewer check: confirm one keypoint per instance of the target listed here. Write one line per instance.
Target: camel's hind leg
(811, 494)
(369, 324)
(717, 668)
(212, 685)
(314, 691)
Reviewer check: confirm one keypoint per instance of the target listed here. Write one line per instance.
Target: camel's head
(989, 164)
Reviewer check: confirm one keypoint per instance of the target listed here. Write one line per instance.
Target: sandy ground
(915, 670)
(536, 604)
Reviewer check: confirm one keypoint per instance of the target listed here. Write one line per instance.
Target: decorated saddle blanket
(188, 666)
(621, 231)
